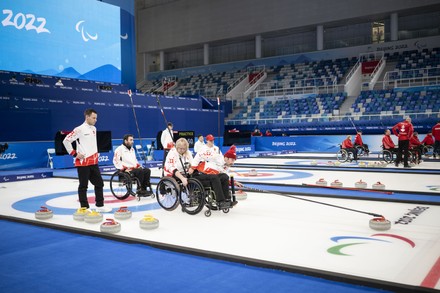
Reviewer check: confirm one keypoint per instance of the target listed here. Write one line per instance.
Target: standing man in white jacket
(167, 141)
(86, 160)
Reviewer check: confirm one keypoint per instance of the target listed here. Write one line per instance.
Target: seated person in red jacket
(415, 144)
(387, 142)
(348, 146)
(268, 133)
(358, 142)
(429, 139)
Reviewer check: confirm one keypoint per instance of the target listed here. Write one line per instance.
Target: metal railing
(411, 77)
(330, 117)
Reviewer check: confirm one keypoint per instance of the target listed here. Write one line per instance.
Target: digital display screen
(70, 38)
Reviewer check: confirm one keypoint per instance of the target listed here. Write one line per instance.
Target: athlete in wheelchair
(361, 147)
(389, 150)
(347, 151)
(181, 186)
(129, 173)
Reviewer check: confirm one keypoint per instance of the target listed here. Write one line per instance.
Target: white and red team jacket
(125, 159)
(173, 162)
(210, 161)
(86, 144)
(166, 139)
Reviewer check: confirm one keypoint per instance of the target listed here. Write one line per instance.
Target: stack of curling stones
(80, 213)
(93, 217)
(336, 183)
(380, 224)
(148, 222)
(314, 163)
(43, 213)
(110, 226)
(240, 195)
(123, 213)
(253, 172)
(321, 182)
(360, 184)
(378, 185)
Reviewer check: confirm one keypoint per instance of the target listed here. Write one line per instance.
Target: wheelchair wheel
(168, 193)
(428, 150)
(342, 155)
(192, 197)
(120, 185)
(387, 156)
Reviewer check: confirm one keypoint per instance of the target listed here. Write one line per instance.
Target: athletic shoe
(224, 205)
(407, 166)
(142, 192)
(103, 209)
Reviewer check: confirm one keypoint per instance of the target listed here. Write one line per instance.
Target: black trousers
(403, 150)
(218, 182)
(92, 173)
(165, 153)
(354, 152)
(437, 147)
(143, 175)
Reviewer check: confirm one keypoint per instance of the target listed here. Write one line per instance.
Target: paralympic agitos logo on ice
(382, 238)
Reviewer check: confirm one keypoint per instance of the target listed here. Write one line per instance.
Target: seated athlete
(358, 142)
(125, 160)
(178, 161)
(212, 170)
(348, 146)
(387, 142)
(416, 145)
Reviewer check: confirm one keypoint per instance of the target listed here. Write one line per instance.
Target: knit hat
(231, 153)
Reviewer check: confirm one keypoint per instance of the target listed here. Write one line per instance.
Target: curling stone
(337, 163)
(330, 163)
(148, 222)
(240, 195)
(313, 163)
(123, 213)
(371, 164)
(336, 183)
(93, 217)
(380, 224)
(110, 226)
(321, 182)
(378, 185)
(43, 214)
(253, 172)
(80, 213)
(360, 184)
(362, 164)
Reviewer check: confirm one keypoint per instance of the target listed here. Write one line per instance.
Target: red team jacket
(428, 140)
(358, 140)
(436, 131)
(346, 144)
(403, 130)
(387, 142)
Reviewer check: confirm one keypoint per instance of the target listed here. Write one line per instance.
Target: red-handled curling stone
(321, 182)
(123, 213)
(360, 184)
(240, 195)
(380, 224)
(378, 185)
(110, 226)
(336, 183)
(43, 214)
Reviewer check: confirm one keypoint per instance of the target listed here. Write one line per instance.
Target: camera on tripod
(3, 148)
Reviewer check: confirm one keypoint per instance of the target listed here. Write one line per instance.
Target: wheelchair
(387, 155)
(122, 183)
(170, 192)
(343, 155)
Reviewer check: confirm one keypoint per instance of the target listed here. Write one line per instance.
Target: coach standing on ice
(86, 160)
